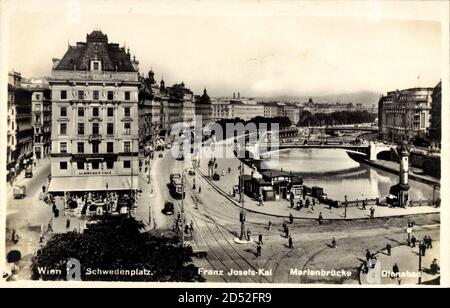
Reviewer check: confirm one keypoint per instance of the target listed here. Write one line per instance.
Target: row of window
(95, 95)
(95, 147)
(95, 111)
(95, 165)
(95, 128)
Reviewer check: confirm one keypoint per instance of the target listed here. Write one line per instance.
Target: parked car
(168, 208)
(19, 192)
(29, 172)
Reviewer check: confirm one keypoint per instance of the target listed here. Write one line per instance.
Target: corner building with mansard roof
(94, 145)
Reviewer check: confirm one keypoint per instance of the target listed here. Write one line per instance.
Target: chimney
(239, 94)
(55, 62)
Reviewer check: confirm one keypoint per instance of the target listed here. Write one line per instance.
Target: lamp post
(420, 264)
(435, 187)
(241, 196)
(345, 207)
(107, 199)
(182, 209)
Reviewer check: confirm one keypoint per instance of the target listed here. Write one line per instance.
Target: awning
(94, 183)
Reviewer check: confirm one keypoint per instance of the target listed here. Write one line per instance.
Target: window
(38, 119)
(95, 129)
(110, 129)
(127, 147)
(109, 164)
(95, 165)
(126, 111)
(95, 148)
(80, 147)
(80, 128)
(80, 111)
(80, 165)
(110, 95)
(95, 111)
(63, 112)
(110, 112)
(127, 128)
(63, 94)
(95, 66)
(80, 94)
(127, 95)
(127, 164)
(63, 147)
(63, 128)
(38, 97)
(110, 147)
(63, 165)
(95, 95)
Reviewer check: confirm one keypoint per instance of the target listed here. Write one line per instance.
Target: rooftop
(96, 47)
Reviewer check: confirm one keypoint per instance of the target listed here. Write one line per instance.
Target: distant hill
(366, 98)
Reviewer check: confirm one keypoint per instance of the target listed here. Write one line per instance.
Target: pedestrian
(199, 189)
(388, 249)
(41, 238)
(307, 203)
(372, 213)
(186, 229)
(368, 255)
(258, 250)
(223, 172)
(320, 218)
(334, 243)
(229, 170)
(429, 242)
(13, 236)
(270, 225)
(292, 203)
(248, 234)
(434, 267)
(191, 226)
(291, 246)
(395, 271)
(68, 223)
(364, 203)
(291, 218)
(423, 249)
(286, 232)
(260, 239)
(413, 241)
(43, 188)
(313, 203)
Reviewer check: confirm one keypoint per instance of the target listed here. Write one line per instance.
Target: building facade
(405, 114)
(41, 107)
(435, 133)
(203, 108)
(94, 118)
(19, 150)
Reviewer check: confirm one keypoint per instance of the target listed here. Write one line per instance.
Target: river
(339, 175)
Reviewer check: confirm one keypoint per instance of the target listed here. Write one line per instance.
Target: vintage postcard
(258, 143)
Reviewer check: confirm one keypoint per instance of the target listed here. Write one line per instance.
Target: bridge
(370, 151)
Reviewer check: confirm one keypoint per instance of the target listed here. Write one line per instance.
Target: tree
(117, 243)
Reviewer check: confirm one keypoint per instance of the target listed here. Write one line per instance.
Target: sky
(257, 48)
